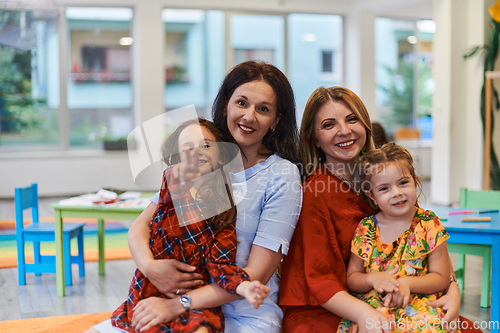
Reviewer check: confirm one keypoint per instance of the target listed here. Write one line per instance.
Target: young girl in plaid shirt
(188, 227)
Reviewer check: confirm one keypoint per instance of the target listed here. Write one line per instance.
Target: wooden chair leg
(67, 260)
(486, 278)
(460, 270)
(81, 257)
(36, 255)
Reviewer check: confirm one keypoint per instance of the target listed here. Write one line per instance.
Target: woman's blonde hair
(311, 155)
(376, 160)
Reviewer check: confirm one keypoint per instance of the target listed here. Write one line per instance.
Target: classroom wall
(457, 158)
(66, 172)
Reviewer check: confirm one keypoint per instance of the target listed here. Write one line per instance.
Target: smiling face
(251, 112)
(394, 191)
(196, 137)
(339, 132)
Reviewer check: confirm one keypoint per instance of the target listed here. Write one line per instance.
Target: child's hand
(384, 281)
(255, 292)
(399, 298)
(186, 170)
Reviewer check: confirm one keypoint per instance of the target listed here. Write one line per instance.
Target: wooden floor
(94, 293)
(89, 294)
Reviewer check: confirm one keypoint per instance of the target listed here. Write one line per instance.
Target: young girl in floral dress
(399, 259)
(193, 223)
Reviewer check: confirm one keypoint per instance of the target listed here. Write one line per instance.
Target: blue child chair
(43, 232)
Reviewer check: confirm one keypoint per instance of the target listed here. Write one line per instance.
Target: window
(197, 56)
(28, 71)
(99, 87)
(404, 74)
(314, 54)
(194, 58)
(258, 37)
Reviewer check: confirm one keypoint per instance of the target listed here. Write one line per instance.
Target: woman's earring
(170, 159)
(273, 129)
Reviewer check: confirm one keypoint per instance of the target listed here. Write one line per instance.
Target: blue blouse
(268, 198)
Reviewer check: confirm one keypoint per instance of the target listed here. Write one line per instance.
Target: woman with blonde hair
(335, 132)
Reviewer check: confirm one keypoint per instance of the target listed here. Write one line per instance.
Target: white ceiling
(390, 8)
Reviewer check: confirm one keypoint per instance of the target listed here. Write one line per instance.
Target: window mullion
(63, 80)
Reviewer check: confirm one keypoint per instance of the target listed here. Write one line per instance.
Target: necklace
(348, 182)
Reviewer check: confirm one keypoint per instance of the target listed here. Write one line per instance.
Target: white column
(149, 72)
(360, 56)
(457, 151)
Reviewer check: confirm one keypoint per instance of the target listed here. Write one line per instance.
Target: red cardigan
(315, 268)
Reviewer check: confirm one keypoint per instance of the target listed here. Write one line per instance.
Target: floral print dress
(410, 252)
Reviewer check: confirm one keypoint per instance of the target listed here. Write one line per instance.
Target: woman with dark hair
(281, 139)
(255, 109)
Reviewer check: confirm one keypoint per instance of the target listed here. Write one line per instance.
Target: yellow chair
(482, 200)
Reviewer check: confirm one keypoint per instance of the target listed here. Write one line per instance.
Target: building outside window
(315, 51)
(194, 58)
(197, 57)
(99, 84)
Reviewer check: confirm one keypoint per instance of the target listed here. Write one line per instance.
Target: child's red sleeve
(222, 261)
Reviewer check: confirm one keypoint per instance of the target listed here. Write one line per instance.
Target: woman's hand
(450, 303)
(384, 281)
(172, 277)
(155, 310)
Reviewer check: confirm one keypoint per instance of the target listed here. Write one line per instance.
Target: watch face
(186, 302)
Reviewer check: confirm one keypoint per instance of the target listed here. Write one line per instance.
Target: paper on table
(105, 194)
(129, 195)
(136, 203)
(82, 200)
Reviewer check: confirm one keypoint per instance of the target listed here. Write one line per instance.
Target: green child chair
(481, 200)
(43, 232)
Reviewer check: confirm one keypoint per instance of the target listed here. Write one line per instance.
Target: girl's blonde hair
(311, 155)
(214, 191)
(376, 160)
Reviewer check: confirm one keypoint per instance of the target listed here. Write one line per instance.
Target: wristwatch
(453, 278)
(186, 302)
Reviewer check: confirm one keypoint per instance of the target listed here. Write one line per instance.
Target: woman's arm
(168, 275)
(361, 282)
(368, 319)
(261, 265)
(450, 303)
(138, 238)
